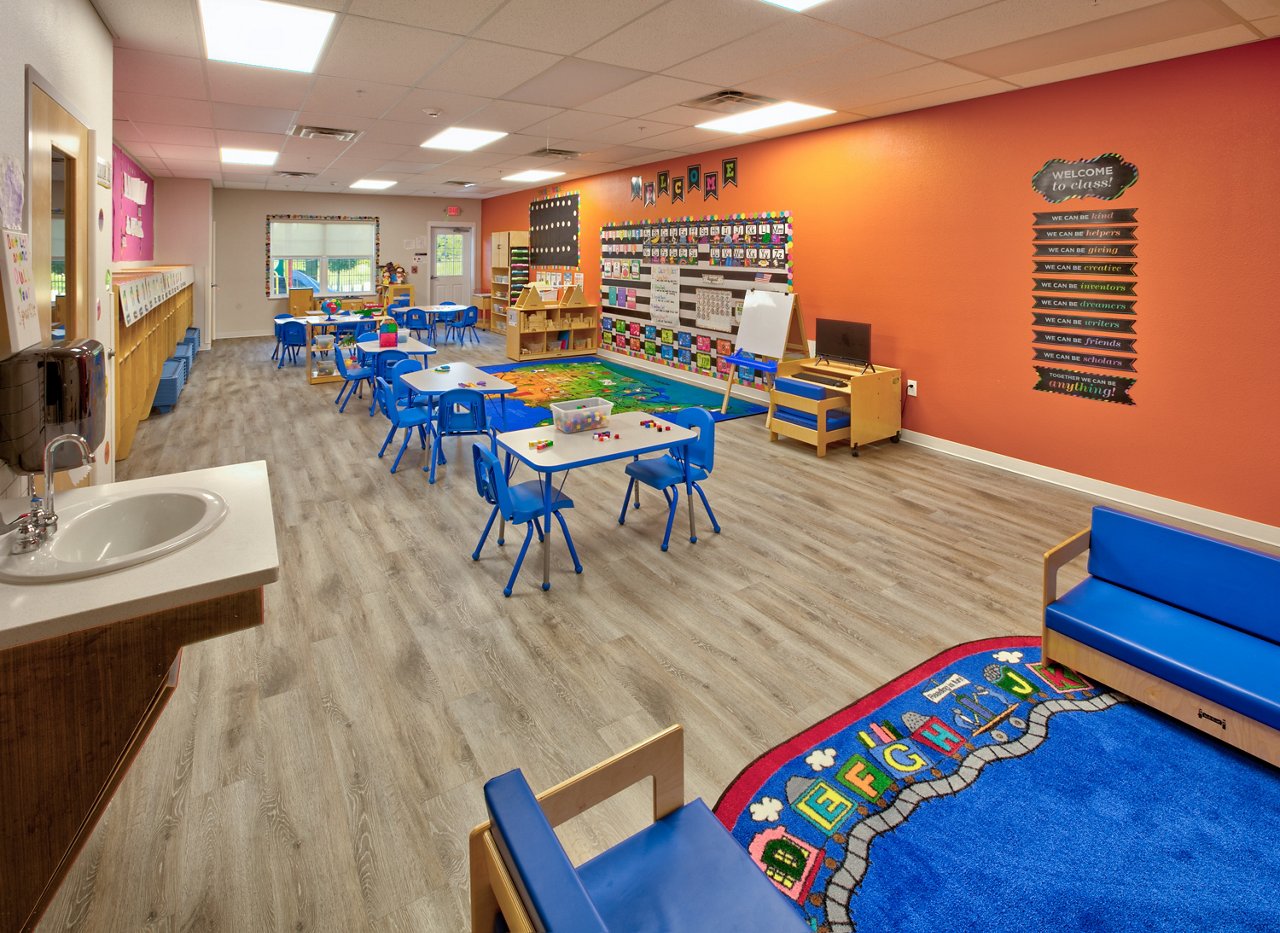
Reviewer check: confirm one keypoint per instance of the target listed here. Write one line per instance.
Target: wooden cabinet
(873, 398)
(508, 274)
(483, 302)
(547, 329)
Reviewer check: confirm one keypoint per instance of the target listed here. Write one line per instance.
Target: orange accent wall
(921, 224)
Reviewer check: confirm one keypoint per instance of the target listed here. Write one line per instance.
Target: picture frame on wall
(104, 173)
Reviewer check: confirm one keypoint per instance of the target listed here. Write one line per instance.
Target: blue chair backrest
(491, 481)
(449, 303)
(415, 319)
(401, 369)
(386, 359)
(385, 395)
(348, 329)
(702, 451)
(278, 320)
(545, 878)
(1226, 582)
(401, 302)
(365, 327)
(340, 359)
(470, 316)
(294, 333)
(399, 317)
(471, 419)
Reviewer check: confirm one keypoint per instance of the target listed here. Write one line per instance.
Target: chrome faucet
(48, 517)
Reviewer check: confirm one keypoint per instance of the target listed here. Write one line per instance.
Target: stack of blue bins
(176, 371)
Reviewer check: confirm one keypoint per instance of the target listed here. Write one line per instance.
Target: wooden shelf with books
(551, 322)
(509, 274)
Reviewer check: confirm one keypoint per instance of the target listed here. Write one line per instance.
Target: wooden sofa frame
(660, 757)
(1246, 734)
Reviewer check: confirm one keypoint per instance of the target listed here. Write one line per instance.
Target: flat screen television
(849, 341)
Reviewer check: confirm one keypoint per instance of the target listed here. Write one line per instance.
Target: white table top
(411, 345)
(318, 319)
(432, 309)
(429, 381)
(577, 450)
(239, 554)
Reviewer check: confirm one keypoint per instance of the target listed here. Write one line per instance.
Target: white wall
(68, 45)
(243, 310)
(184, 237)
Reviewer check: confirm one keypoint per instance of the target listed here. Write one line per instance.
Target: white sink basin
(101, 535)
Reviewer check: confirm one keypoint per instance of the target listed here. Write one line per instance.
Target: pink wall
(125, 246)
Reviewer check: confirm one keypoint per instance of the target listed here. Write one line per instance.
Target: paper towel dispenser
(50, 390)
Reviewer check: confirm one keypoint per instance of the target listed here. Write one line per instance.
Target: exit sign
(453, 210)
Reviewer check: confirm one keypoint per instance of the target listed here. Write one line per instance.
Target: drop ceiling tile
(478, 159)
(335, 121)
(357, 166)
(252, 119)
(514, 144)
(176, 135)
(936, 98)
(244, 84)
(572, 81)
(787, 44)
(401, 168)
(252, 176)
(935, 77)
(320, 151)
(458, 18)
(353, 96)
(562, 26)
(195, 170)
(238, 139)
(124, 130)
(681, 116)
(618, 154)
(138, 149)
(839, 118)
(154, 73)
(648, 94)
(487, 69)
(690, 136)
(681, 30)
(886, 18)
(1005, 22)
(656, 156)
(452, 108)
(1159, 51)
(573, 123)
(824, 80)
(630, 132)
(1269, 25)
(510, 116)
(247, 185)
(365, 148)
(146, 108)
(1255, 9)
(157, 27)
(169, 151)
(1171, 20)
(406, 134)
(369, 50)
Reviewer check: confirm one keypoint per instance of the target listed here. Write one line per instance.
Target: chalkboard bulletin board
(553, 231)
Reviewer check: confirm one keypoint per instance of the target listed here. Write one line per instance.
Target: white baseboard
(233, 334)
(1219, 521)
(682, 375)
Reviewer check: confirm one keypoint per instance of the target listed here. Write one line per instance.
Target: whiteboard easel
(770, 326)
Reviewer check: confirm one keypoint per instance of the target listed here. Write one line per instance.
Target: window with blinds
(330, 255)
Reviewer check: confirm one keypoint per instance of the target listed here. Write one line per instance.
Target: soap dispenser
(50, 390)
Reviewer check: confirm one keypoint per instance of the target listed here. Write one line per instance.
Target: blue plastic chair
(279, 320)
(459, 412)
(293, 340)
(402, 419)
(350, 329)
(444, 319)
(403, 390)
(415, 319)
(666, 473)
(463, 322)
(518, 504)
(382, 363)
(353, 379)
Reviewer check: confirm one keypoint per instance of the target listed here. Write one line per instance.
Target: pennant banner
(1099, 305)
(1084, 385)
(1083, 322)
(710, 186)
(664, 182)
(1086, 233)
(1060, 267)
(1096, 360)
(729, 172)
(1082, 285)
(1106, 176)
(677, 189)
(695, 177)
(1087, 341)
(1113, 216)
(1093, 250)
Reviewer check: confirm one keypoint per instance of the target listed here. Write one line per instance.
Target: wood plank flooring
(322, 772)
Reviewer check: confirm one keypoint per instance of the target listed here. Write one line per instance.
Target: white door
(451, 265)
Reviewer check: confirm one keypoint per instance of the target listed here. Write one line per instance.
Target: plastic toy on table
(587, 414)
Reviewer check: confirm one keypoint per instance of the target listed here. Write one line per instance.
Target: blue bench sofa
(1180, 621)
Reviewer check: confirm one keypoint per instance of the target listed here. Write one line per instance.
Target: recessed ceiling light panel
(795, 5)
(372, 184)
(532, 175)
(764, 117)
(263, 33)
(461, 139)
(248, 156)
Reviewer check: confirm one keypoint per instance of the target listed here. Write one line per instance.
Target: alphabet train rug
(986, 790)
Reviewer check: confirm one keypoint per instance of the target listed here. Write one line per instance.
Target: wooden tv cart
(541, 327)
(874, 400)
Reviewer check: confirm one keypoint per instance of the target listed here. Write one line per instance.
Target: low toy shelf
(864, 406)
(543, 330)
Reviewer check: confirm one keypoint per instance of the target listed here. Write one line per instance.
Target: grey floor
(322, 772)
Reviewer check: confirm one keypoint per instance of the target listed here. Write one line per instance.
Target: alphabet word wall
(671, 290)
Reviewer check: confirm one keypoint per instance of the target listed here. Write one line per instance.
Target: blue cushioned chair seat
(661, 472)
(800, 387)
(835, 419)
(527, 499)
(1233, 584)
(685, 874)
(1205, 657)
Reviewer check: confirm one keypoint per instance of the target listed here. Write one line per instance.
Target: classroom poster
(19, 284)
(132, 210)
(664, 295)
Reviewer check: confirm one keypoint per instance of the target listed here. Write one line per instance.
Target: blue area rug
(985, 791)
(543, 382)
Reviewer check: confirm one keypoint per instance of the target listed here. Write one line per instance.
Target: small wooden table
(433, 382)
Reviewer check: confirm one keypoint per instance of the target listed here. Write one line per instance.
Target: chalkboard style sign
(553, 231)
(1106, 176)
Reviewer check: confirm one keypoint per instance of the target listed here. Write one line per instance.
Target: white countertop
(239, 554)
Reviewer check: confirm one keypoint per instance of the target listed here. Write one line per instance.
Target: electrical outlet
(911, 387)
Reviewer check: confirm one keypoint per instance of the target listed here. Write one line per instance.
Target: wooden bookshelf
(509, 274)
(545, 329)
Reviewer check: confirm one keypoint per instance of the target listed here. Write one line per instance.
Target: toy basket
(584, 414)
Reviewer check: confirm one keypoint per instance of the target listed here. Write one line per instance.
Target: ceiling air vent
(324, 132)
(548, 153)
(730, 102)
(296, 174)
(461, 184)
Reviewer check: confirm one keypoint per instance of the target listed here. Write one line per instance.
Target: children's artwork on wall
(664, 182)
(637, 186)
(729, 172)
(1083, 297)
(12, 194)
(695, 177)
(553, 231)
(710, 186)
(132, 210)
(103, 172)
(677, 189)
(19, 283)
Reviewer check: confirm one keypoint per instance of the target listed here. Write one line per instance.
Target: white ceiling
(606, 78)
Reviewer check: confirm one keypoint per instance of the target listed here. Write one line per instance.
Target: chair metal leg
(626, 501)
(408, 433)
(342, 388)
(484, 535)
(515, 571)
(671, 515)
(436, 441)
(390, 434)
(568, 539)
(538, 527)
(707, 505)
